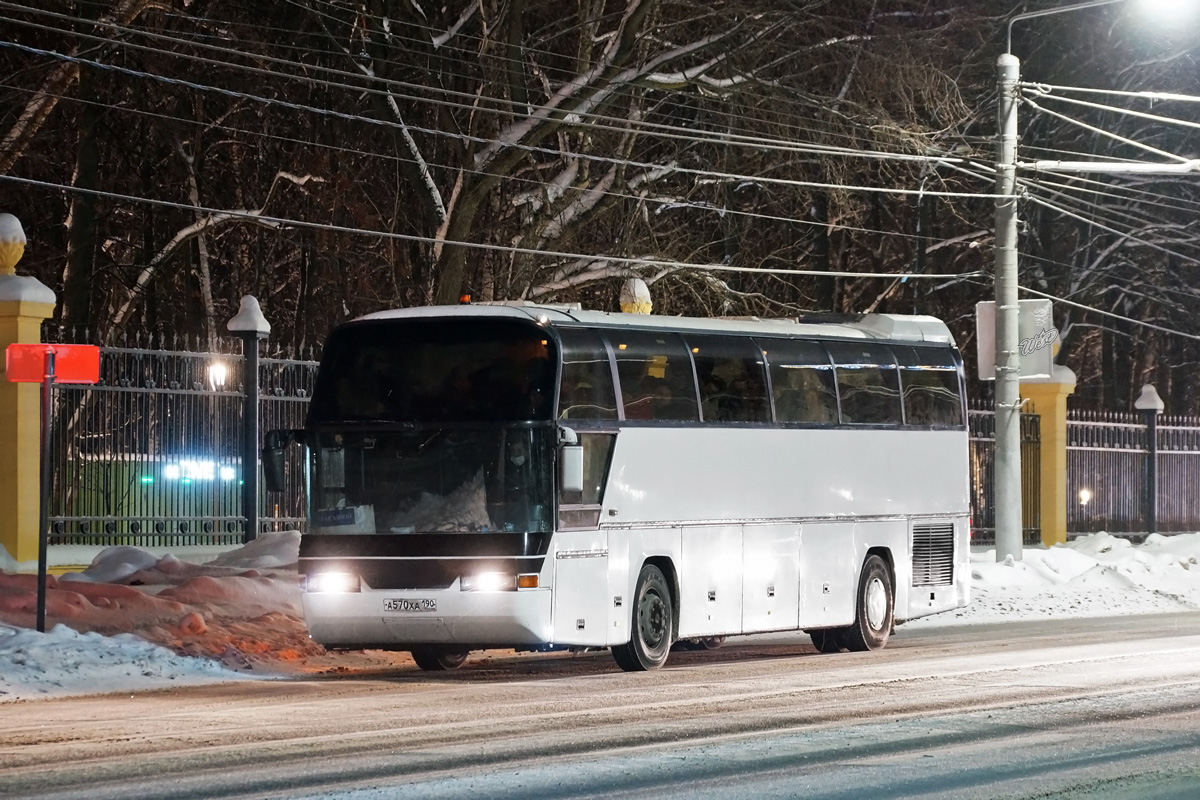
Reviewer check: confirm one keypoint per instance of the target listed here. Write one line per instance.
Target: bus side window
(868, 385)
(802, 382)
(733, 384)
(582, 509)
(655, 373)
(929, 378)
(586, 388)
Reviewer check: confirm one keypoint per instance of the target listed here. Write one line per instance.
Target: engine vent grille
(933, 555)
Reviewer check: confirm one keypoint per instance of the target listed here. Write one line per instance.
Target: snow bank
(140, 620)
(1093, 576)
(64, 661)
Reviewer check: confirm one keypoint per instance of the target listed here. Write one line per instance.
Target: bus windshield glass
(435, 371)
(433, 480)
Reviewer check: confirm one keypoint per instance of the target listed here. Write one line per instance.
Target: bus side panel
(672, 475)
(770, 577)
(829, 565)
(581, 588)
(710, 582)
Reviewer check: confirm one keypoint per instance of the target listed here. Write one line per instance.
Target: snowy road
(1074, 708)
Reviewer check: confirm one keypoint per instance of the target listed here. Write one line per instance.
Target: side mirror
(570, 461)
(274, 444)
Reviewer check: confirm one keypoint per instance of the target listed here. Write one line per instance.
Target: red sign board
(73, 363)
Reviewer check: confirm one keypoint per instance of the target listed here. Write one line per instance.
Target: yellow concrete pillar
(1047, 397)
(24, 303)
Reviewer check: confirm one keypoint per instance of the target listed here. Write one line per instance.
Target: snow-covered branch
(184, 235)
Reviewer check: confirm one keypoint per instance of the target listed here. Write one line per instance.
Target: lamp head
(249, 318)
(1149, 400)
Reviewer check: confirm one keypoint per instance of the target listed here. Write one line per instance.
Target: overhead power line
(659, 201)
(461, 100)
(632, 263)
(1110, 314)
(482, 140)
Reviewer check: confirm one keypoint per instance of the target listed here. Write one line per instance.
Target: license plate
(402, 604)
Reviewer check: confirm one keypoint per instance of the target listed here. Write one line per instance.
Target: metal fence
(1107, 456)
(981, 422)
(151, 455)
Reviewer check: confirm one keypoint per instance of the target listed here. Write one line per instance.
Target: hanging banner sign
(1036, 334)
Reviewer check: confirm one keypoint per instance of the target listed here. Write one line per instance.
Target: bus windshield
(433, 425)
(435, 371)
(433, 480)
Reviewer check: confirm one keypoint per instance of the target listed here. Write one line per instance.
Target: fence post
(25, 302)
(250, 326)
(1151, 405)
(1048, 399)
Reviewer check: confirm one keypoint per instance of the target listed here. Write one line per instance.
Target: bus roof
(892, 327)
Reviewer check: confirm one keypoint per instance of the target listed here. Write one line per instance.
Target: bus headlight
(332, 582)
(488, 582)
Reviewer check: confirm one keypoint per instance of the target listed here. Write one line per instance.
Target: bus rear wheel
(653, 624)
(874, 608)
(438, 658)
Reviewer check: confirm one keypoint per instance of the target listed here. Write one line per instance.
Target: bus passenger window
(868, 385)
(656, 376)
(932, 394)
(802, 382)
(586, 389)
(733, 383)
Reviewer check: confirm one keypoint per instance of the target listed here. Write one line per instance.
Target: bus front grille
(933, 555)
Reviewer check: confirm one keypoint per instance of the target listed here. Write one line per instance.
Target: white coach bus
(541, 477)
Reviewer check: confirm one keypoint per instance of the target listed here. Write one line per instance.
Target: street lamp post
(250, 326)
(1151, 405)
(1007, 476)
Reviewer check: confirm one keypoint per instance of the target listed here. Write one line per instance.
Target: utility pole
(1007, 479)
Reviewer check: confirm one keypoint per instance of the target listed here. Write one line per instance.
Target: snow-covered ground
(136, 620)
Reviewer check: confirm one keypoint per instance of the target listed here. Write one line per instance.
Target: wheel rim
(876, 604)
(652, 615)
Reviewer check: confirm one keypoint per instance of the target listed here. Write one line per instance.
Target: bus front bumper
(389, 619)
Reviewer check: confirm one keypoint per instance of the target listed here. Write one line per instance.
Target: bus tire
(874, 608)
(827, 640)
(653, 623)
(439, 657)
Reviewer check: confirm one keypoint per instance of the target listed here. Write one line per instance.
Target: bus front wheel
(434, 659)
(653, 624)
(874, 608)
